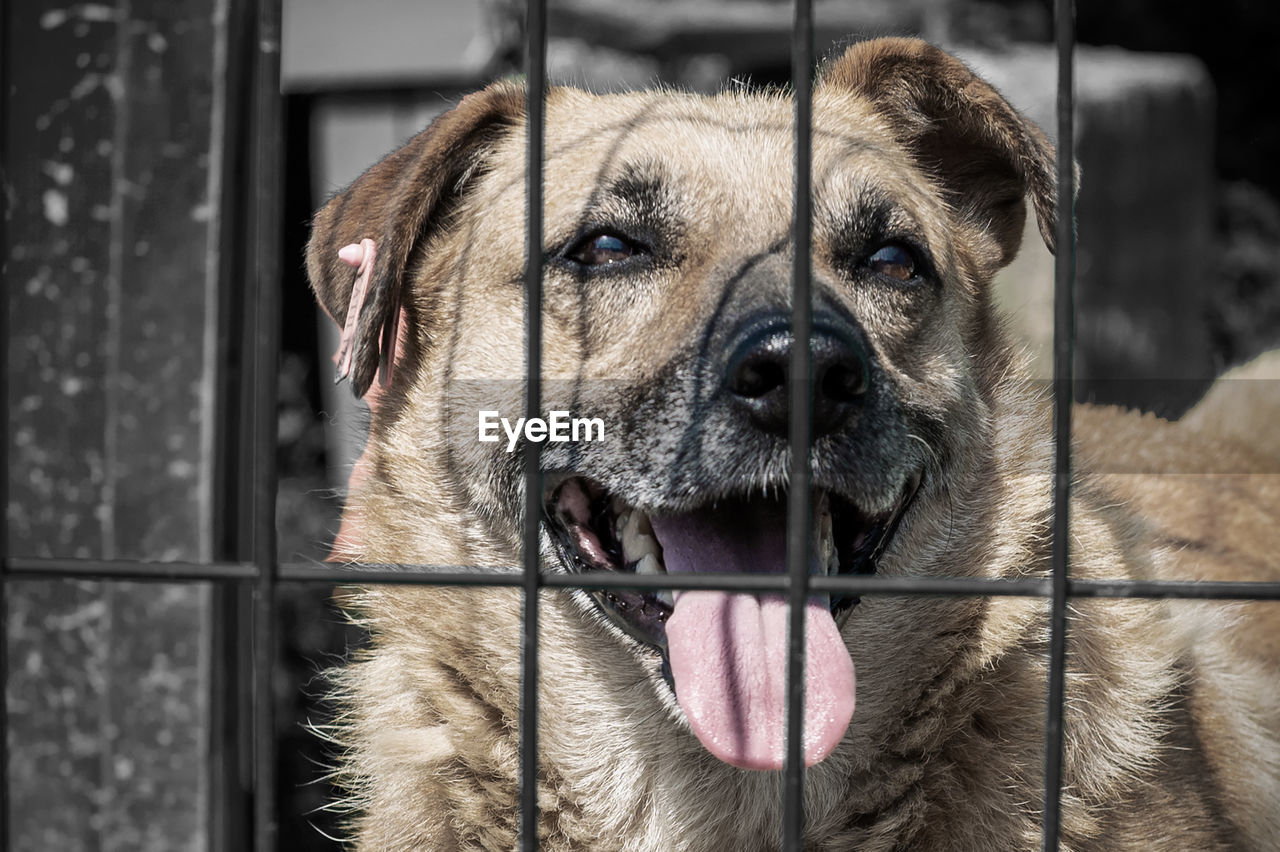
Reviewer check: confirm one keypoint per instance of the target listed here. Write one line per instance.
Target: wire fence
(263, 572)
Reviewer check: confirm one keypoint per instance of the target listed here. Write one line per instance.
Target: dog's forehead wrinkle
(641, 183)
(862, 222)
(639, 196)
(864, 203)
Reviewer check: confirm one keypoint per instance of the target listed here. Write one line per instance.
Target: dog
(666, 318)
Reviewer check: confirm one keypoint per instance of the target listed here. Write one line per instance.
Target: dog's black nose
(757, 375)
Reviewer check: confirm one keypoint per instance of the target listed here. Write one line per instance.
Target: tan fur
(1172, 731)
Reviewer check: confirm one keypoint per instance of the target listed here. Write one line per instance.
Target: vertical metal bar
(4, 552)
(231, 638)
(798, 508)
(535, 85)
(1064, 276)
(5, 53)
(264, 240)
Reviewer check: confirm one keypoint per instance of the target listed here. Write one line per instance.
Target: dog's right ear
(394, 204)
(985, 155)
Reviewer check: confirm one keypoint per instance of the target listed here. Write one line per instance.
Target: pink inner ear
(365, 254)
(361, 256)
(351, 255)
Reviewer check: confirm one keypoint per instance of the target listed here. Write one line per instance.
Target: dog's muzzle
(724, 653)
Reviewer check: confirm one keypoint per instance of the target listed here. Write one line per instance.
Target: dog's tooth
(648, 564)
(639, 524)
(665, 596)
(826, 544)
(637, 536)
(640, 546)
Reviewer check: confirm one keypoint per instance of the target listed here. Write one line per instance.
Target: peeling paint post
(114, 130)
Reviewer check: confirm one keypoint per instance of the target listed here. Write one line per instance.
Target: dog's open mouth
(726, 652)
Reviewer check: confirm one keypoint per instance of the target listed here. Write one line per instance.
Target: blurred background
(125, 139)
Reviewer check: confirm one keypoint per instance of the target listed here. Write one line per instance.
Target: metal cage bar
(5, 822)
(1063, 340)
(798, 508)
(535, 94)
(32, 568)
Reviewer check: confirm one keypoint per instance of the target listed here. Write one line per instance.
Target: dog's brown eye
(602, 250)
(894, 261)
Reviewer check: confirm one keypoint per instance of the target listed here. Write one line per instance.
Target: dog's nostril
(842, 381)
(757, 377)
(757, 369)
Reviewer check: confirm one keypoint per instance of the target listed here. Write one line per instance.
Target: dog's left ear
(986, 156)
(394, 204)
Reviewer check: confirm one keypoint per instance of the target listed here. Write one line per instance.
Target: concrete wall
(113, 183)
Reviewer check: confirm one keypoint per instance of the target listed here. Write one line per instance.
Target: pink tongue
(728, 651)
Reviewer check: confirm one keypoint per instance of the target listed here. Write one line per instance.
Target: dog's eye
(894, 261)
(601, 250)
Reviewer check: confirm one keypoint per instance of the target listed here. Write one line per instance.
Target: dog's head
(666, 319)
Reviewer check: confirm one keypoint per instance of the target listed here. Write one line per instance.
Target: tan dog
(666, 310)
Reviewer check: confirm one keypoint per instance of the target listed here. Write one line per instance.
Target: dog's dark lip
(582, 517)
(864, 554)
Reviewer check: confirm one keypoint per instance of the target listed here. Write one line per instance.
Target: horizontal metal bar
(41, 568)
(760, 583)
(384, 88)
(930, 586)
(1168, 589)
(393, 574)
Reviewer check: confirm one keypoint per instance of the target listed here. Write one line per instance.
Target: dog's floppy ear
(393, 204)
(985, 154)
